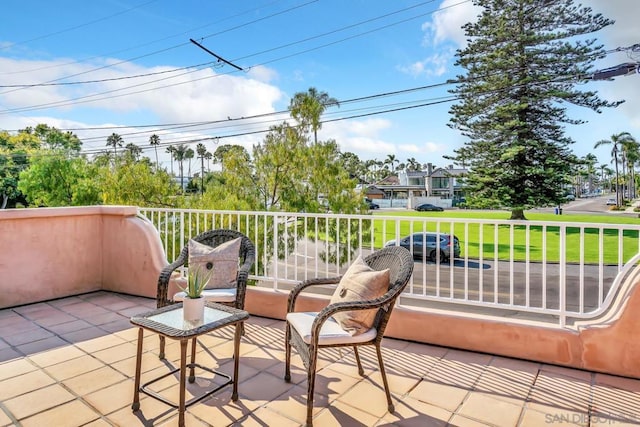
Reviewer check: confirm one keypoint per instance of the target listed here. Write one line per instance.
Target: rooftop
(71, 362)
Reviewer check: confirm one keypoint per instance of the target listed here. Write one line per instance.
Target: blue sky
(144, 71)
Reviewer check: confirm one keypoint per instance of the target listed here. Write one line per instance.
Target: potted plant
(193, 303)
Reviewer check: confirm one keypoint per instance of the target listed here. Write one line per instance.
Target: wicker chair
(319, 330)
(211, 238)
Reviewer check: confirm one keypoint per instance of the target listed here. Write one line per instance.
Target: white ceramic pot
(193, 309)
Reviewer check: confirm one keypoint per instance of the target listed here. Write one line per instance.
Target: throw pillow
(223, 259)
(359, 283)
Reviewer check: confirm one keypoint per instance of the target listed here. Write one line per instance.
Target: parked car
(611, 202)
(373, 205)
(428, 207)
(425, 245)
(569, 197)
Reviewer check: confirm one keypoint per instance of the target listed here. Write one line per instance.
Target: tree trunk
(517, 214)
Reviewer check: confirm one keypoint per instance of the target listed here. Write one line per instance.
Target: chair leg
(384, 379)
(161, 355)
(360, 370)
(311, 381)
(287, 352)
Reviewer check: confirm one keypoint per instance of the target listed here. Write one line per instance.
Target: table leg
(183, 371)
(192, 369)
(136, 391)
(236, 359)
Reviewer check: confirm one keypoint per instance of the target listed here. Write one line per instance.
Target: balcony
(67, 349)
(71, 362)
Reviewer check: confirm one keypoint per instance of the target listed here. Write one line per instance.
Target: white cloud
(446, 24)
(435, 65)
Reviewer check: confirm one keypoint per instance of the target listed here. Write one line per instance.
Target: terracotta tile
(444, 396)
(74, 413)
(57, 355)
(508, 379)
(367, 397)
(113, 398)
(602, 421)
(536, 415)
(332, 383)
(293, 404)
(46, 344)
(460, 421)
(9, 354)
(98, 423)
(94, 380)
(567, 372)
(266, 417)
(107, 317)
(128, 365)
(100, 343)
(489, 410)
(37, 401)
(55, 319)
(83, 335)
(263, 388)
(414, 413)
(17, 327)
(220, 410)
(616, 403)
(24, 383)
(64, 328)
(459, 369)
(399, 384)
(630, 384)
(5, 420)
(120, 324)
(116, 353)
(15, 367)
(73, 367)
(151, 412)
(35, 333)
(341, 414)
(575, 396)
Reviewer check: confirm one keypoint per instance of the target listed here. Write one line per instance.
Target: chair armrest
(162, 299)
(337, 307)
(293, 295)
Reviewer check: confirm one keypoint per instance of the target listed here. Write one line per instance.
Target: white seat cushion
(214, 295)
(331, 333)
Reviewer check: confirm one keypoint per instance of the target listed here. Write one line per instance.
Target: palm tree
(171, 149)
(134, 151)
(202, 153)
(413, 164)
(208, 156)
(631, 151)
(392, 161)
(154, 141)
(115, 141)
(189, 154)
(616, 142)
(179, 153)
(307, 108)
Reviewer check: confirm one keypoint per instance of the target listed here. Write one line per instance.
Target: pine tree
(523, 61)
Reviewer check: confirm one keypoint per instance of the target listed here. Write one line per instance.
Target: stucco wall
(57, 252)
(50, 253)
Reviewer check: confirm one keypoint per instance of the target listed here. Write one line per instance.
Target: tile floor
(71, 362)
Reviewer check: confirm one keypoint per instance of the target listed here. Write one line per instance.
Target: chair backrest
(399, 261)
(219, 236)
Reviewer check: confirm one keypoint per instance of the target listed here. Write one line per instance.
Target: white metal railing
(553, 271)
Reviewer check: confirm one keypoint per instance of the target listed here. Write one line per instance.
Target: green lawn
(505, 238)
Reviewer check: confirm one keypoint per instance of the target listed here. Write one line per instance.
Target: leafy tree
(136, 183)
(616, 141)
(134, 151)
(523, 61)
(154, 141)
(52, 138)
(222, 151)
(15, 152)
(307, 108)
(56, 179)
